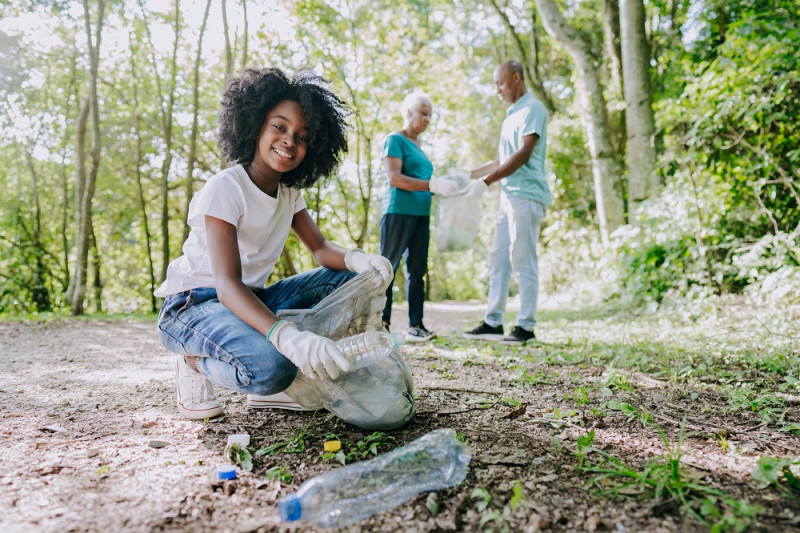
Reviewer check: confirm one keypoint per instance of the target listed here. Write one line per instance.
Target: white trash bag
(379, 396)
(457, 217)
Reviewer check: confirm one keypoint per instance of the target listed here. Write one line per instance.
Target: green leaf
(271, 449)
(241, 456)
(767, 471)
(516, 494)
(432, 503)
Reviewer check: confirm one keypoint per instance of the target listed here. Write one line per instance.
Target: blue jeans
(231, 353)
(514, 248)
(407, 236)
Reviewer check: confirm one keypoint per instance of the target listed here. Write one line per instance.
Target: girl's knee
(274, 382)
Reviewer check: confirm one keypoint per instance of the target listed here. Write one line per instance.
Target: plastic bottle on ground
(366, 348)
(351, 493)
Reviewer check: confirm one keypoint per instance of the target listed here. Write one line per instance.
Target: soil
(90, 440)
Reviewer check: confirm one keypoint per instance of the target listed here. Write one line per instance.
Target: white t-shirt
(262, 225)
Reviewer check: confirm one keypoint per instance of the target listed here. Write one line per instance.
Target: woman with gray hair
(406, 208)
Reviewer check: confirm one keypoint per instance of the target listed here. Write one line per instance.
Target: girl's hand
(358, 261)
(314, 355)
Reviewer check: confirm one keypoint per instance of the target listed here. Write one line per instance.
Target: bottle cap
(332, 446)
(399, 340)
(239, 439)
(289, 508)
(226, 472)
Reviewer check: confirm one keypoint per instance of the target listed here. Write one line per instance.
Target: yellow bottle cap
(332, 446)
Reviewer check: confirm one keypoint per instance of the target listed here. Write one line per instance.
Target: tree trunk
(287, 259)
(245, 36)
(80, 184)
(642, 178)
(228, 51)
(594, 115)
(89, 179)
(362, 153)
(65, 214)
(611, 34)
(139, 187)
(616, 108)
(195, 111)
(39, 292)
(98, 280)
(167, 162)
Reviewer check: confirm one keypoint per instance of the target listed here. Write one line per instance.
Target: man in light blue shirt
(525, 195)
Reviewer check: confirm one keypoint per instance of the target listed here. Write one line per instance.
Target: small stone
(94, 452)
(158, 444)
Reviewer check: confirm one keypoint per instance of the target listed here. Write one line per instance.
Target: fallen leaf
(516, 413)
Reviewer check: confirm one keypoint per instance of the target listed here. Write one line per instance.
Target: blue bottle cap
(289, 508)
(399, 340)
(226, 472)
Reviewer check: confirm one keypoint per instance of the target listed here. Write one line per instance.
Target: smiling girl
(218, 316)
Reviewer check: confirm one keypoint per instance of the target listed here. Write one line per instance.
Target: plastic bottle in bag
(366, 348)
(348, 494)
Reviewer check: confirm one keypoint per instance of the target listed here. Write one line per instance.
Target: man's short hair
(516, 67)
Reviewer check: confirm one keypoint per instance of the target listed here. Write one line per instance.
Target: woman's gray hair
(411, 101)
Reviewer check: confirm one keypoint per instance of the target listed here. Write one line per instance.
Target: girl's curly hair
(251, 95)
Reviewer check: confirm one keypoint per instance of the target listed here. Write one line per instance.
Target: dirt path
(90, 440)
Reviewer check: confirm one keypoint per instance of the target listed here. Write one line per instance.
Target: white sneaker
(196, 399)
(280, 400)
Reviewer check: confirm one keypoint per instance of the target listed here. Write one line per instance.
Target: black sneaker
(518, 336)
(418, 333)
(485, 331)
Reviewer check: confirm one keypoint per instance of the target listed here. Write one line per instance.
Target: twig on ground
(466, 389)
(758, 426)
(552, 421)
(692, 426)
(444, 413)
(79, 439)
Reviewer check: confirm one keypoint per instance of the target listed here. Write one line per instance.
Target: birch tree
(606, 169)
(195, 111)
(86, 180)
(642, 178)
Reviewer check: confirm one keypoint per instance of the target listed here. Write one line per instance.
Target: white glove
(443, 186)
(358, 261)
(314, 355)
(476, 189)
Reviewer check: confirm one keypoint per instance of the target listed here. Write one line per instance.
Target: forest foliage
(725, 81)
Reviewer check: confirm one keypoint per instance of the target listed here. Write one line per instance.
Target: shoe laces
(207, 390)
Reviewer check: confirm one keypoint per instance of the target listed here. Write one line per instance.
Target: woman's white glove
(443, 186)
(358, 261)
(476, 189)
(314, 355)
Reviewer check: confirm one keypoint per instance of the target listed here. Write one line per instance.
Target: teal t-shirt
(526, 116)
(415, 165)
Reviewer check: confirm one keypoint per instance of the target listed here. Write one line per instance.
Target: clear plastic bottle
(351, 493)
(366, 348)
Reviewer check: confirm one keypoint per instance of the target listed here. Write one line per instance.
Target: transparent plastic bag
(378, 396)
(457, 217)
